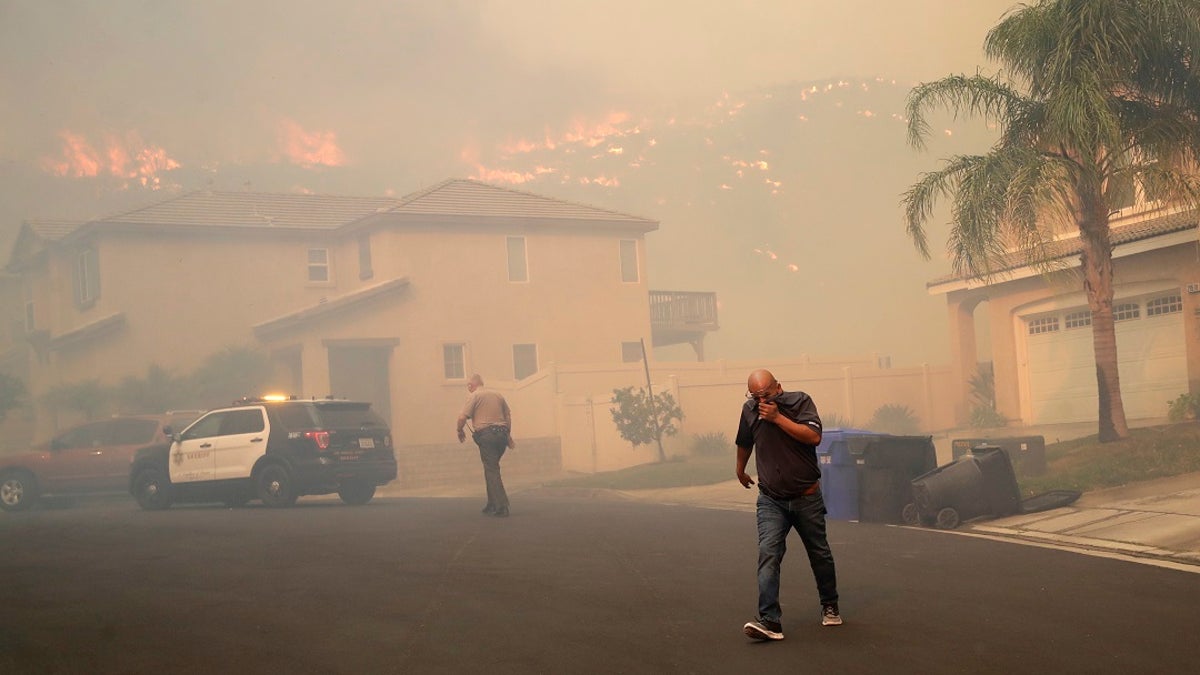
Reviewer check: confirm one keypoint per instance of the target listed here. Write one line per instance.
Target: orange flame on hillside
(309, 148)
(128, 158)
(580, 131)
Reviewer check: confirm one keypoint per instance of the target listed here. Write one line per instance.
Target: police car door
(192, 456)
(243, 440)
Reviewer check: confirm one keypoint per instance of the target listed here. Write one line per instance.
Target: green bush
(1186, 407)
(642, 420)
(894, 419)
(715, 444)
(984, 417)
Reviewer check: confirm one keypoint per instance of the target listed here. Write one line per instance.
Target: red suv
(92, 457)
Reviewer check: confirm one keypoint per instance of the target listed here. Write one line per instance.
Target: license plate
(366, 443)
(348, 456)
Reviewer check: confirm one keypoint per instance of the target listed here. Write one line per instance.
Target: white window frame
(523, 277)
(635, 272)
(86, 278)
(461, 362)
(1127, 311)
(1043, 324)
(1165, 304)
(314, 265)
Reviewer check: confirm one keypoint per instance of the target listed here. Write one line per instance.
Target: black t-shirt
(786, 467)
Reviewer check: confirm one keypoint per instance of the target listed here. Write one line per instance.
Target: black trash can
(979, 484)
(886, 467)
(1027, 453)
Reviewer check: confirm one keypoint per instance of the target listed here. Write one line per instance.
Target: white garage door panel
(1152, 361)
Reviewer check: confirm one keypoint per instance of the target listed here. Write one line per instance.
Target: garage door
(1152, 359)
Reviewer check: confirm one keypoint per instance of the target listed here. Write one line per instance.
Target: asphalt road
(565, 585)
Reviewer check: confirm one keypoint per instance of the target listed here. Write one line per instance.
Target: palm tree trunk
(1096, 263)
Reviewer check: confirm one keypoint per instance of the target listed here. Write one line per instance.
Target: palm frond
(976, 95)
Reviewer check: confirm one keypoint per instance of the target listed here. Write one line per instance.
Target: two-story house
(396, 301)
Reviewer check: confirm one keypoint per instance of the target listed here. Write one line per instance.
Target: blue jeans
(776, 518)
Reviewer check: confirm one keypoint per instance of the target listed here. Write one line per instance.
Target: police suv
(274, 449)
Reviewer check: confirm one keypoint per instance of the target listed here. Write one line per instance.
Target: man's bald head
(760, 380)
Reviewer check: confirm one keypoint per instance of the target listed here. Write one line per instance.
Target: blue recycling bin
(839, 472)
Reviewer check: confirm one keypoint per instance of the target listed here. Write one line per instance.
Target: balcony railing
(683, 310)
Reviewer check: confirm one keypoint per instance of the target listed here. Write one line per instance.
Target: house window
(454, 361)
(1126, 311)
(631, 352)
(524, 361)
(518, 268)
(318, 264)
(1078, 319)
(629, 261)
(1046, 324)
(1167, 304)
(364, 257)
(86, 278)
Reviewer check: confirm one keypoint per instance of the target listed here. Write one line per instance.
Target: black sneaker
(763, 630)
(488, 510)
(830, 615)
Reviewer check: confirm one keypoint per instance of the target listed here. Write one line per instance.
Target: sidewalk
(1156, 521)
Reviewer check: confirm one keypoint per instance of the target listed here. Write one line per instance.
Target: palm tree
(1093, 97)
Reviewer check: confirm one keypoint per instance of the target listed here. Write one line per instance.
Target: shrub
(894, 419)
(1186, 407)
(715, 444)
(984, 417)
(635, 420)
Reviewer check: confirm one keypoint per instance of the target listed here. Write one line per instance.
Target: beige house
(1039, 325)
(396, 301)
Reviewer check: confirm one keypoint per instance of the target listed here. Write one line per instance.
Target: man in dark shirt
(784, 428)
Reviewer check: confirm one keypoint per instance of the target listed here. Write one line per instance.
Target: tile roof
(327, 307)
(463, 197)
(53, 230)
(255, 209)
(1125, 233)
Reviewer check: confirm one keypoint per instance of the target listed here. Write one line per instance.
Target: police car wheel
(275, 487)
(152, 489)
(18, 490)
(356, 493)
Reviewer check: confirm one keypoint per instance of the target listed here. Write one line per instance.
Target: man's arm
(462, 421)
(800, 432)
(743, 456)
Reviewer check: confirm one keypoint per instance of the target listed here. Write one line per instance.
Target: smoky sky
(663, 109)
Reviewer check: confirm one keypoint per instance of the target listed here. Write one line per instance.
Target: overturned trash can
(975, 485)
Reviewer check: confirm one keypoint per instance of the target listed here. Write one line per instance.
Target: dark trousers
(492, 442)
(776, 518)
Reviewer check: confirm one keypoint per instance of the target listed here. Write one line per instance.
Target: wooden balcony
(677, 317)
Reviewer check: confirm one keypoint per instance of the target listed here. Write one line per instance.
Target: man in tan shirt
(491, 423)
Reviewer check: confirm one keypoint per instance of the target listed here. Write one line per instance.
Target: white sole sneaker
(756, 631)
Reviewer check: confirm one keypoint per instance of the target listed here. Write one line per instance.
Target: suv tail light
(321, 438)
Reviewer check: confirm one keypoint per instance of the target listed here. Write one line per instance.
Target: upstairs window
(629, 261)
(524, 361)
(454, 361)
(364, 257)
(318, 264)
(86, 278)
(518, 268)
(631, 352)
